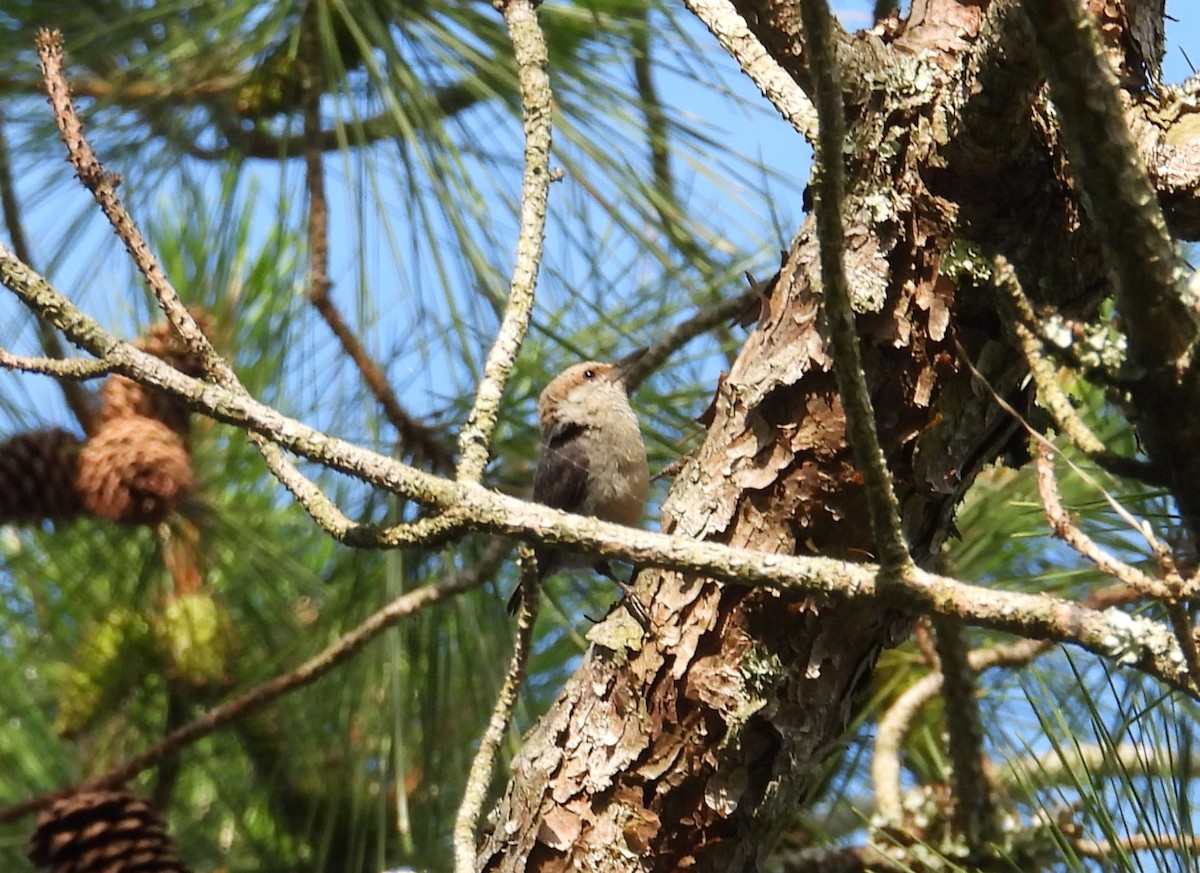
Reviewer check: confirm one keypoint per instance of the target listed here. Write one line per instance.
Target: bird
(592, 459)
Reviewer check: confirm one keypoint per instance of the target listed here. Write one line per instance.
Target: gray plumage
(592, 459)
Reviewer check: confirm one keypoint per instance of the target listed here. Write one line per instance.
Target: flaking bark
(691, 748)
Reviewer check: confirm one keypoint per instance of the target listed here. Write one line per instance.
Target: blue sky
(96, 273)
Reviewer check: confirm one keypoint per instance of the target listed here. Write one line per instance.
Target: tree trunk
(692, 747)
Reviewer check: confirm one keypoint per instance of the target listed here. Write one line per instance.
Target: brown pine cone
(162, 341)
(103, 832)
(38, 470)
(133, 470)
(121, 397)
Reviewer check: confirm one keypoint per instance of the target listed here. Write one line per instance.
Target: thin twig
(973, 807)
(1050, 394)
(418, 439)
(893, 727)
(843, 333)
(529, 50)
(1091, 762)
(76, 398)
(339, 651)
(322, 510)
(727, 25)
(1142, 529)
(702, 321)
(312, 83)
(1126, 220)
(103, 186)
(1066, 530)
(899, 718)
(64, 368)
(1102, 850)
(475, 793)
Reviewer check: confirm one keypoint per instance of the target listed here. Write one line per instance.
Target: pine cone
(121, 397)
(37, 476)
(133, 470)
(162, 341)
(103, 832)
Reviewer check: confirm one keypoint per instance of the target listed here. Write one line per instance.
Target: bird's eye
(589, 374)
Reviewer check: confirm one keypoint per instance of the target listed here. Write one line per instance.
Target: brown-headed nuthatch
(592, 460)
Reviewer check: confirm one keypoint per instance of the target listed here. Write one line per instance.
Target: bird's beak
(622, 368)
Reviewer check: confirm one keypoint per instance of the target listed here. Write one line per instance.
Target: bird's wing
(560, 482)
(562, 471)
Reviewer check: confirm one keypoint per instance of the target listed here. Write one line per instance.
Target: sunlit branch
(475, 793)
(893, 727)
(773, 81)
(103, 186)
(1187, 844)
(1086, 762)
(1066, 530)
(322, 510)
(1172, 592)
(898, 720)
(65, 368)
(529, 49)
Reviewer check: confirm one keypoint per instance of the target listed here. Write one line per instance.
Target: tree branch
(529, 49)
(103, 186)
(1066, 530)
(674, 338)
(1131, 640)
(1121, 202)
(773, 81)
(415, 436)
(70, 369)
(1049, 393)
(974, 811)
(480, 776)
